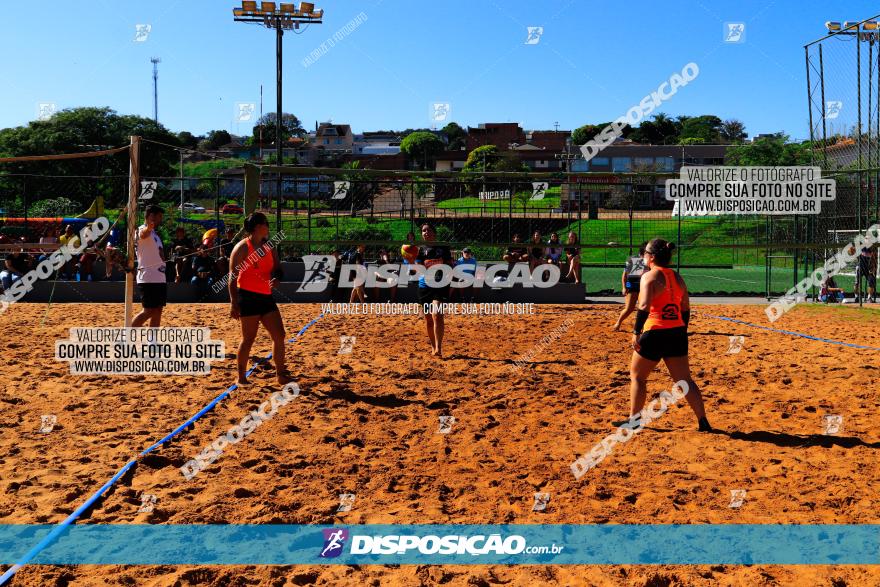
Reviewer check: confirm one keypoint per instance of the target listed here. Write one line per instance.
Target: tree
(290, 127)
(706, 127)
(510, 162)
(733, 131)
(455, 136)
(53, 207)
(214, 140)
(421, 146)
(660, 130)
(691, 141)
(482, 159)
(522, 197)
(272, 159)
(768, 151)
(586, 133)
(188, 140)
(79, 130)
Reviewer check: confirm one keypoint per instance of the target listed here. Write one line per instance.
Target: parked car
(231, 209)
(190, 207)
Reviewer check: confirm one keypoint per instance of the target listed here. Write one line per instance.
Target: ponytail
(255, 219)
(662, 251)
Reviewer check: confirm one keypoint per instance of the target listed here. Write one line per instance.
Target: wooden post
(134, 183)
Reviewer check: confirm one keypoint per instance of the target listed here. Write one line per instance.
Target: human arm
(238, 255)
(685, 300)
(646, 293)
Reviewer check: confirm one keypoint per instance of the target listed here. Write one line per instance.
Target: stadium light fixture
(867, 30)
(281, 18)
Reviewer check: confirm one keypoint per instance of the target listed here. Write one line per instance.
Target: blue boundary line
(53, 535)
(792, 333)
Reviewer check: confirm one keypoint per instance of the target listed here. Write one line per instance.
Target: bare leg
(429, 326)
(574, 269)
(275, 325)
(154, 315)
(357, 293)
(439, 327)
(249, 326)
(156, 318)
(639, 370)
(680, 370)
(629, 306)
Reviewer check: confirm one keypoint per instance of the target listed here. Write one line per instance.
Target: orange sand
(366, 423)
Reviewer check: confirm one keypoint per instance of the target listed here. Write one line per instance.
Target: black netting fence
(604, 216)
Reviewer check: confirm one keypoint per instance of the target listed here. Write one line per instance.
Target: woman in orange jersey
(661, 330)
(253, 272)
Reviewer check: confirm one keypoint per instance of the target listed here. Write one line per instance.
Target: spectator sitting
(16, 265)
(69, 238)
(181, 246)
(226, 245)
(203, 271)
(515, 254)
(469, 265)
(113, 255)
(830, 293)
(86, 265)
(50, 238)
(553, 252)
(536, 251)
(227, 242)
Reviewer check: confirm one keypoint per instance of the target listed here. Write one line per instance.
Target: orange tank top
(665, 311)
(256, 271)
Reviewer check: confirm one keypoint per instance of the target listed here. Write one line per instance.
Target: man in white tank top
(151, 270)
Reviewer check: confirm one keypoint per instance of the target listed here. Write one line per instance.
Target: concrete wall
(294, 273)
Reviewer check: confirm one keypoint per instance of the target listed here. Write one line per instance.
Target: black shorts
(664, 342)
(429, 294)
(632, 286)
(255, 304)
(153, 295)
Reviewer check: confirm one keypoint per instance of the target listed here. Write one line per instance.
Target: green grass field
(551, 200)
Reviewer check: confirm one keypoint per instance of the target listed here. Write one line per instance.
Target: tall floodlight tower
(155, 61)
(287, 16)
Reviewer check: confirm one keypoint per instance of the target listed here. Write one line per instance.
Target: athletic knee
(638, 378)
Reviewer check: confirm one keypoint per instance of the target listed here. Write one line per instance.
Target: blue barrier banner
(688, 544)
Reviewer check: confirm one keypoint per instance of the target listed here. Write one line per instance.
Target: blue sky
(594, 60)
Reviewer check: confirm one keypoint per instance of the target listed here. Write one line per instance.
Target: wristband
(641, 318)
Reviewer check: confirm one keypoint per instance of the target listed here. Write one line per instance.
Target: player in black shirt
(430, 255)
